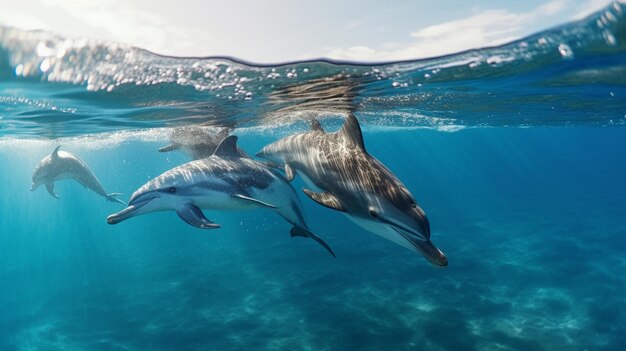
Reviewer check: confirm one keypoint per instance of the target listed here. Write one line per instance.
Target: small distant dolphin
(227, 180)
(196, 142)
(61, 165)
(353, 181)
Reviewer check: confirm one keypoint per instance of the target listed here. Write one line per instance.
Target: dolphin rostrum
(61, 165)
(196, 142)
(227, 180)
(352, 181)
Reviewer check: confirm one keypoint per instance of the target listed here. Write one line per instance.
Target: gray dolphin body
(61, 165)
(195, 142)
(227, 180)
(354, 182)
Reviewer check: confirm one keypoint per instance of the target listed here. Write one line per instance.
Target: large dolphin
(61, 165)
(196, 142)
(352, 181)
(227, 180)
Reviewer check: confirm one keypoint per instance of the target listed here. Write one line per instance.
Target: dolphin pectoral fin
(194, 216)
(325, 199)
(258, 202)
(289, 172)
(297, 231)
(50, 188)
(170, 147)
(113, 198)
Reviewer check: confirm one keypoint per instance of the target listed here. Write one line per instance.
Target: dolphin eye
(373, 213)
(171, 189)
(413, 204)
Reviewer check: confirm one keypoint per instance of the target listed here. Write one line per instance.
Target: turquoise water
(516, 153)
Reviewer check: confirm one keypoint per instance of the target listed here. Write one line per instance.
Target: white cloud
(118, 21)
(551, 8)
(590, 7)
(19, 20)
(490, 23)
(486, 28)
(353, 25)
(273, 33)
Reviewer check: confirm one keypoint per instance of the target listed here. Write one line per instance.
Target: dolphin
(350, 180)
(61, 165)
(227, 180)
(196, 142)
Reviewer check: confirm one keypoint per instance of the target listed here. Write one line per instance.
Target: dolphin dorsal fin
(316, 126)
(351, 130)
(223, 133)
(55, 152)
(228, 148)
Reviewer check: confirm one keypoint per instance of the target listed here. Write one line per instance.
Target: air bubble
(44, 50)
(565, 51)
(610, 17)
(44, 66)
(494, 60)
(609, 38)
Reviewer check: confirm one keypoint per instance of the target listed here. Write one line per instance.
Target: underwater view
(474, 201)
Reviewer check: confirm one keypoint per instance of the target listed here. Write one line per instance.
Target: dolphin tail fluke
(113, 198)
(298, 231)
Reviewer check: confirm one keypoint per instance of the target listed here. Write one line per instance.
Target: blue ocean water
(516, 153)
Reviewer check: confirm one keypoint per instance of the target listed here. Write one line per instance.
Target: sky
(274, 31)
